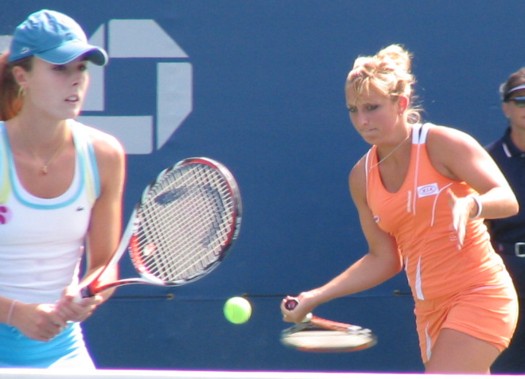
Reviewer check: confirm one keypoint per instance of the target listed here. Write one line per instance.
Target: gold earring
(21, 92)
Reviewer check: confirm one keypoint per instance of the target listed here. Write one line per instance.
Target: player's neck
(41, 146)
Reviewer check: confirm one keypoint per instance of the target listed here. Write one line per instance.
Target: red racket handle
(291, 304)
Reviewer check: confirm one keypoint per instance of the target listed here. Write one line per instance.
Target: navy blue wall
(267, 100)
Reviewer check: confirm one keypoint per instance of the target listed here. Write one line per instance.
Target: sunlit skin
(378, 118)
(52, 96)
(69, 83)
(381, 120)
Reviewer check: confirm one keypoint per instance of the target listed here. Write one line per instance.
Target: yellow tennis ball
(237, 310)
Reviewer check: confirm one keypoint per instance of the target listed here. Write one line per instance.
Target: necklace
(45, 167)
(391, 152)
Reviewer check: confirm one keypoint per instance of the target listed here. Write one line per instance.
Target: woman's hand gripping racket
(182, 227)
(319, 335)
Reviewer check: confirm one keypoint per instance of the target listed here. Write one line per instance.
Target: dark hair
(10, 99)
(515, 80)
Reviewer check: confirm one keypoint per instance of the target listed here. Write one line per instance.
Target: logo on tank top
(5, 215)
(427, 190)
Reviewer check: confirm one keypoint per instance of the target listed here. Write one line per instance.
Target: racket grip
(86, 292)
(292, 303)
(83, 293)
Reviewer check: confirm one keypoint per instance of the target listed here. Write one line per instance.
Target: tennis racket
(319, 335)
(182, 227)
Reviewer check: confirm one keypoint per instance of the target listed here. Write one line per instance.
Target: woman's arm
(105, 226)
(459, 156)
(380, 263)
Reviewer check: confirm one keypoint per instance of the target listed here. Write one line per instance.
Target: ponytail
(10, 99)
(389, 72)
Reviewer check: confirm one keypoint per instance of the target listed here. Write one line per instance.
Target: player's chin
(370, 137)
(71, 110)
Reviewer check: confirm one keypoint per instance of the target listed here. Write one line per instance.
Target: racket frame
(94, 287)
(319, 325)
(313, 324)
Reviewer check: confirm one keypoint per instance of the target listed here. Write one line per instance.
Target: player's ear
(505, 109)
(20, 76)
(402, 103)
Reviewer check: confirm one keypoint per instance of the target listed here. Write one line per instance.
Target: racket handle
(292, 303)
(83, 293)
(86, 292)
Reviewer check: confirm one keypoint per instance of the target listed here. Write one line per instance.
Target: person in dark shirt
(508, 234)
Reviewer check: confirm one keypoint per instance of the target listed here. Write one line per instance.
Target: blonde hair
(389, 73)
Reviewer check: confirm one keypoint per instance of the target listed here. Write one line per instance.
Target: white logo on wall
(135, 39)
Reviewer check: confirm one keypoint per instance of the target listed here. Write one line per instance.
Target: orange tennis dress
(466, 289)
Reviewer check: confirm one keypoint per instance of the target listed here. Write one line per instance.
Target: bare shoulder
(358, 170)
(357, 179)
(104, 143)
(110, 153)
(449, 149)
(445, 136)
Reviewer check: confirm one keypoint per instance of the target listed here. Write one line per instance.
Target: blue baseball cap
(54, 38)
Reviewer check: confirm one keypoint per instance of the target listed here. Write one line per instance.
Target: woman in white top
(61, 190)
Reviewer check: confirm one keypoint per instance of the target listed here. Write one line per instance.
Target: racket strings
(197, 203)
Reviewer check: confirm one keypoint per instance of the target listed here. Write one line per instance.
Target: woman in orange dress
(422, 192)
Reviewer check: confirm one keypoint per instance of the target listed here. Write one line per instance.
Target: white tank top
(42, 240)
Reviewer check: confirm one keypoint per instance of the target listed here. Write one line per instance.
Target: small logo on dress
(377, 219)
(5, 215)
(427, 190)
